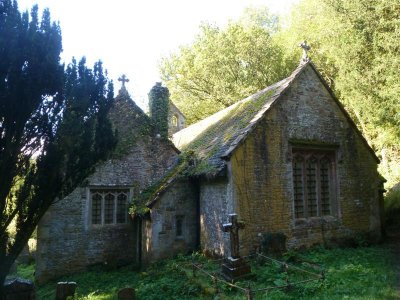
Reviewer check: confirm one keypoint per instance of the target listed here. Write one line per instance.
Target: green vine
(159, 108)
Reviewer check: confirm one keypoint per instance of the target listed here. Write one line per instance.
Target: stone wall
(214, 209)
(263, 179)
(160, 239)
(68, 243)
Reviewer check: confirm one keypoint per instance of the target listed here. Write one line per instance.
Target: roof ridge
(214, 118)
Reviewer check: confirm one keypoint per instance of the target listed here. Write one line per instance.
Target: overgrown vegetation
(159, 108)
(356, 273)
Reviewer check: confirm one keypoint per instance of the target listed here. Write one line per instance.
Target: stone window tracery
(108, 206)
(313, 182)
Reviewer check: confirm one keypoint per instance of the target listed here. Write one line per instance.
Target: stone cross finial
(305, 48)
(123, 79)
(233, 228)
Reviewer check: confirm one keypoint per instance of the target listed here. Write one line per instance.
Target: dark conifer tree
(53, 124)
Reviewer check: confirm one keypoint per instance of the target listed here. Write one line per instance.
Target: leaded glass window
(109, 206)
(298, 187)
(313, 182)
(122, 202)
(96, 208)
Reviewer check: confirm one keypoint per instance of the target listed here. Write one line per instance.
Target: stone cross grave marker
(234, 266)
(233, 228)
(123, 79)
(305, 48)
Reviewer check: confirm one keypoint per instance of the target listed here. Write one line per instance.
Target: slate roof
(215, 138)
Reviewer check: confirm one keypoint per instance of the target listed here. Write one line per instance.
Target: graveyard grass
(352, 273)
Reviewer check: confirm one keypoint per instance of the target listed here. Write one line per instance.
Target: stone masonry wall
(160, 238)
(262, 170)
(67, 242)
(214, 210)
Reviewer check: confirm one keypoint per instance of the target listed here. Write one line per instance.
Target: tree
(53, 124)
(355, 43)
(224, 65)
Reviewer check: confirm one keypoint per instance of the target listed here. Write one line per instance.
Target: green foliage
(355, 44)
(224, 65)
(26, 271)
(358, 273)
(159, 108)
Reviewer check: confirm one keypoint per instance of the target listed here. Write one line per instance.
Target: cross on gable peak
(305, 58)
(123, 79)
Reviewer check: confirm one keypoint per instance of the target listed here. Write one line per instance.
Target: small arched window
(174, 121)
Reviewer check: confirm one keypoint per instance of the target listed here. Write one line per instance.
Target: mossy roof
(216, 137)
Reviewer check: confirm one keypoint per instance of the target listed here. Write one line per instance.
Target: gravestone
(65, 290)
(126, 294)
(19, 289)
(234, 267)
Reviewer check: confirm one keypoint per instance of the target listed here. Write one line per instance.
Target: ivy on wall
(159, 108)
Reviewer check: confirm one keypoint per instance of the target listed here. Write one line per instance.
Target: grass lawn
(355, 273)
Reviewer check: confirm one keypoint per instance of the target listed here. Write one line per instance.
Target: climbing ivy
(159, 108)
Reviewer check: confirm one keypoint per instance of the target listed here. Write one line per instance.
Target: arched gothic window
(174, 121)
(108, 206)
(313, 182)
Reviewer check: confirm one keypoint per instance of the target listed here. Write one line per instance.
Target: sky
(131, 36)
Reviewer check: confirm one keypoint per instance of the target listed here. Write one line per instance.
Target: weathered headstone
(234, 266)
(126, 294)
(19, 289)
(65, 290)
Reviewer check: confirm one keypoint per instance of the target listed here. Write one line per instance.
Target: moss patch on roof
(226, 126)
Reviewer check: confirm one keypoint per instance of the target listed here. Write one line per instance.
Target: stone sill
(108, 226)
(326, 222)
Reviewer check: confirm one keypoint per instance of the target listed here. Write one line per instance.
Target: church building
(288, 160)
